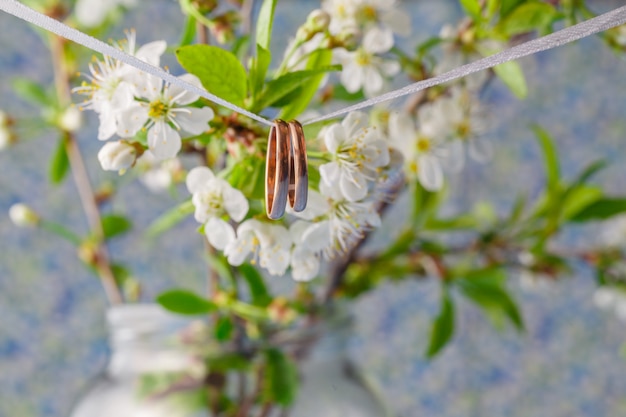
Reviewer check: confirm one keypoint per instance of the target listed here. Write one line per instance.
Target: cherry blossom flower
(310, 240)
(112, 84)
(91, 13)
(269, 244)
(164, 113)
(357, 151)
(156, 175)
(213, 198)
(363, 14)
(117, 156)
(423, 144)
(363, 68)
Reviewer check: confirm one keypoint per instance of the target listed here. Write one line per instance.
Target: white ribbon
(573, 33)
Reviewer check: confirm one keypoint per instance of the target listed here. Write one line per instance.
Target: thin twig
(81, 177)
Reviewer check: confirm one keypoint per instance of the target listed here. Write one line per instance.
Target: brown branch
(81, 177)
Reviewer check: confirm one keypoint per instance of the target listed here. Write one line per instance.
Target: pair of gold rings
(286, 172)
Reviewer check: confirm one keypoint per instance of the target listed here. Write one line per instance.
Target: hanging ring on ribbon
(299, 173)
(277, 170)
(286, 170)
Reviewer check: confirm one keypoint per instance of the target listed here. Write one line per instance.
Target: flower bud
(23, 216)
(71, 119)
(7, 137)
(318, 21)
(117, 156)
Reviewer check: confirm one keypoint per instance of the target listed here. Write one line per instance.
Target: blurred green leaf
(528, 17)
(285, 84)
(60, 163)
(486, 288)
(280, 379)
(224, 328)
(115, 225)
(228, 362)
(507, 6)
(248, 176)
(260, 295)
(512, 75)
(219, 70)
(32, 92)
(189, 32)
(578, 199)
(170, 219)
(264, 24)
(321, 58)
(550, 156)
(442, 327)
(258, 69)
(185, 302)
(472, 8)
(601, 209)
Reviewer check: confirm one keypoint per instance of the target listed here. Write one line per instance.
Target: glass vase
(145, 345)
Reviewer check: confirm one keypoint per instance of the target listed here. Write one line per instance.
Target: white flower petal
(316, 236)
(164, 141)
(334, 137)
(352, 77)
(235, 202)
(151, 52)
(353, 189)
(193, 120)
(198, 178)
(130, 120)
(181, 95)
(430, 173)
(354, 122)
(108, 125)
(377, 40)
(330, 173)
(219, 233)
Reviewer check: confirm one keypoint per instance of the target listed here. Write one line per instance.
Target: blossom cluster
(334, 219)
(128, 102)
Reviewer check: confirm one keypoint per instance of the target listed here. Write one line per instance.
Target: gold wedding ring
(299, 176)
(286, 172)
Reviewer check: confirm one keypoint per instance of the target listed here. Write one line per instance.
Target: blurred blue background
(52, 333)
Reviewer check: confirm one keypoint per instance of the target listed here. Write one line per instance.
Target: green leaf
(170, 219)
(60, 163)
(340, 93)
(486, 288)
(114, 225)
(442, 327)
(31, 92)
(185, 302)
(219, 70)
(318, 59)
(528, 17)
(507, 6)
(224, 328)
(248, 176)
(258, 69)
(189, 33)
(280, 87)
(512, 75)
(550, 156)
(601, 209)
(579, 198)
(280, 379)
(264, 24)
(472, 8)
(465, 221)
(260, 295)
(228, 362)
